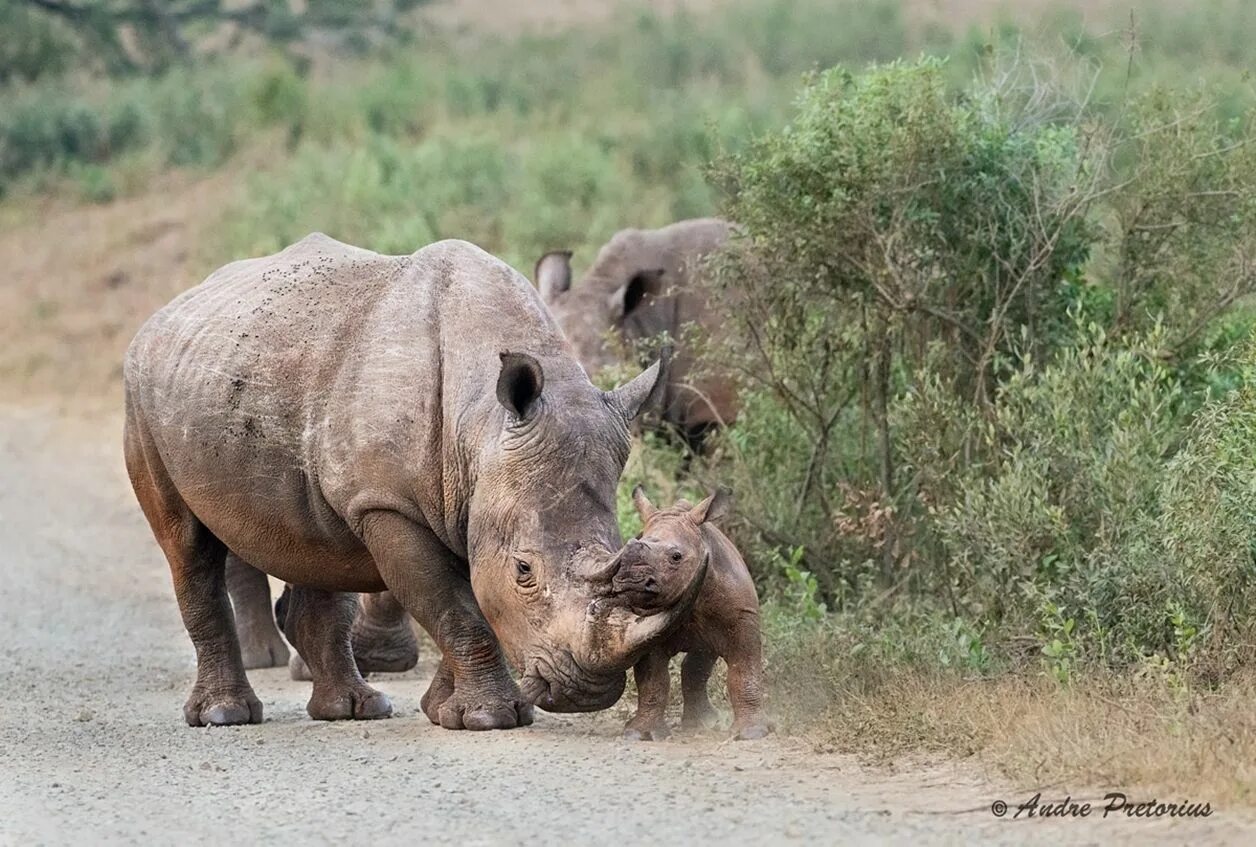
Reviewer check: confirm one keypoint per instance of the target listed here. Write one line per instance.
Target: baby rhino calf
(724, 621)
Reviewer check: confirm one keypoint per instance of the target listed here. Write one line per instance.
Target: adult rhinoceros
(351, 422)
(644, 282)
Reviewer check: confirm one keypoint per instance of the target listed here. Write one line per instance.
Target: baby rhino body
(723, 624)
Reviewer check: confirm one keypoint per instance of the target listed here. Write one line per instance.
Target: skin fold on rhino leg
(222, 694)
(695, 671)
(440, 690)
(261, 645)
(382, 638)
(431, 583)
(653, 686)
(318, 623)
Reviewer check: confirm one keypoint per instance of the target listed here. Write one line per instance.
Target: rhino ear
(643, 284)
(553, 274)
(645, 509)
(646, 389)
(711, 509)
(520, 383)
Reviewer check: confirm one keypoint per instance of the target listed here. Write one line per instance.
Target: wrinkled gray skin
(642, 283)
(351, 422)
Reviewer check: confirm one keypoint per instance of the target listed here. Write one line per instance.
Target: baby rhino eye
(677, 556)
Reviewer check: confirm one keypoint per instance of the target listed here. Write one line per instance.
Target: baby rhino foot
(356, 702)
(646, 730)
(485, 711)
(751, 730)
(699, 718)
(223, 708)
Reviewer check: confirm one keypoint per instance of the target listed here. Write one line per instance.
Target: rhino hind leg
(381, 636)
(261, 645)
(222, 694)
(383, 639)
(318, 622)
(695, 671)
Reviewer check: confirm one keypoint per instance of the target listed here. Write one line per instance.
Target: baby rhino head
(659, 565)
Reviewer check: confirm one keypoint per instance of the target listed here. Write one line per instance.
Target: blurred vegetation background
(997, 271)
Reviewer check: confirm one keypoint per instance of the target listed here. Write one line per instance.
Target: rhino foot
(205, 708)
(751, 730)
(440, 690)
(479, 712)
(360, 702)
(697, 718)
(651, 732)
(269, 651)
(384, 649)
(298, 669)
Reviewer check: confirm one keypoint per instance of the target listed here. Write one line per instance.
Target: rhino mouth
(564, 686)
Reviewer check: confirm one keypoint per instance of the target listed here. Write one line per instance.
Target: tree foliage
(969, 327)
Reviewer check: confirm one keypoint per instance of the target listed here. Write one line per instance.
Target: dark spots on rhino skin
(251, 429)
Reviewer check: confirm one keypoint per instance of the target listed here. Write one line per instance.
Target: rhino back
(288, 395)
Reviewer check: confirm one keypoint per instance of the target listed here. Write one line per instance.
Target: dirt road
(94, 667)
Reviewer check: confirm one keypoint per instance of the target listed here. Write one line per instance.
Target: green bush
(975, 330)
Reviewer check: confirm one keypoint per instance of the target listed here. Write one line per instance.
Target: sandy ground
(94, 667)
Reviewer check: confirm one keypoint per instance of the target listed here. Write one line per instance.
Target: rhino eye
(523, 569)
(677, 556)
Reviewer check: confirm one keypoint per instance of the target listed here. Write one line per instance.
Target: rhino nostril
(651, 583)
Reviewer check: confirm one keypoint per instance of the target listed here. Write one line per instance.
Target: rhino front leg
(653, 686)
(382, 637)
(261, 645)
(318, 623)
(438, 691)
(430, 582)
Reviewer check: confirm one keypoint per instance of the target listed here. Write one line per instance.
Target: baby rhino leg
(653, 684)
(695, 671)
(745, 684)
(318, 624)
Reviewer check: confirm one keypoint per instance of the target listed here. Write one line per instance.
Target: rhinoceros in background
(641, 284)
(351, 422)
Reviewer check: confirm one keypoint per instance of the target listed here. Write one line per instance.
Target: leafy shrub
(970, 328)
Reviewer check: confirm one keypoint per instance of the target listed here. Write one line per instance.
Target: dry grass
(1140, 736)
(79, 280)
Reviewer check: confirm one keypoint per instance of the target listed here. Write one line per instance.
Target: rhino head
(543, 539)
(619, 294)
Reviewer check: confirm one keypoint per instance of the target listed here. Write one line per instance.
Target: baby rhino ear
(645, 509)
(711, 509)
